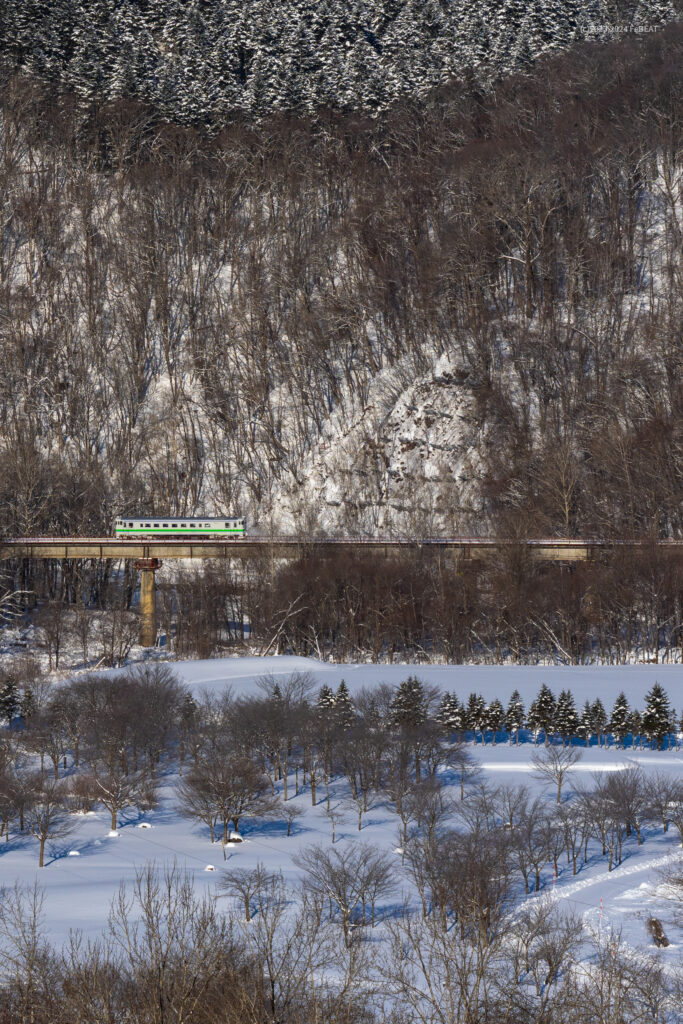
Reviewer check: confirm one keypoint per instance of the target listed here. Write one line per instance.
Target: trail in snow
(605, 877)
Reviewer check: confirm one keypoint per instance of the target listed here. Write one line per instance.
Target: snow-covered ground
(82, 875)
(585, 681)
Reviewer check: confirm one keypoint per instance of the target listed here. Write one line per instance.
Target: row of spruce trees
(413, 707)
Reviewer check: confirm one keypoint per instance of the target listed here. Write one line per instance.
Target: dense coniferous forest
(207, 62)
(462, 316)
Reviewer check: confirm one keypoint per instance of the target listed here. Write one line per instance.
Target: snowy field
(586, 682)
(82, 875)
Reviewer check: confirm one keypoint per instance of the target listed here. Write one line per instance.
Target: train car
(227, 527)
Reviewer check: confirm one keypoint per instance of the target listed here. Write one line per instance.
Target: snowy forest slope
(465, 318)
(204, 62)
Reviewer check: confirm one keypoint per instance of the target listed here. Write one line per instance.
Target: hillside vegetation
(207, 62)
(465, 319)
(459, 319)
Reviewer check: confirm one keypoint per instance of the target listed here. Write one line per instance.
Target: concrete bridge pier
(148, 600)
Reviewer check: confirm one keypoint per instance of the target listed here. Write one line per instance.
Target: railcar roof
(175, 519)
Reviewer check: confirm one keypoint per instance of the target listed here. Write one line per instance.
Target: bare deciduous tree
(47, 816)
(555, 763)
(345, 877)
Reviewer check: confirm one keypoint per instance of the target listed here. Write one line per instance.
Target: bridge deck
(546, 549)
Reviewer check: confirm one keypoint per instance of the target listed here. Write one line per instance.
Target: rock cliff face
(407, 462)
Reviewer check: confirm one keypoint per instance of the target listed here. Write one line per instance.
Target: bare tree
(627, 794)
(291, 949)
(510, 803)
(464, 764)
(116, 789)
(529, 843)
(117, 633)
(290, 813)
(555, 763)
(335, 813)
(576, 829)
(175, 949)
(545, 943)
(22, 947)
(664, 794)
(345, 877)
(47, 816)
(246, 884)
(224, 789)
(428, 805)
(52, 621)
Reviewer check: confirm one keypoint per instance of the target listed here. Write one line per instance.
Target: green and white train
(228, 528)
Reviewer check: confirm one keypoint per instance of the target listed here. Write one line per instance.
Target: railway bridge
(147, 553)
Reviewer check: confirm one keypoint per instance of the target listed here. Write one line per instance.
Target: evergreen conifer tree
(586, 723)
(657, 716)
(201, 62)
(542, 712)
(409, 706)
(9, 701)
(373, 718)
(325, 701)
(620, 720)
(450, 714)
(475, 713)
(494, 717)
(514, 716)
(566, 717)
(637, 727)
(598, 719)
(188, 710)
(27, 708)
(344, 711)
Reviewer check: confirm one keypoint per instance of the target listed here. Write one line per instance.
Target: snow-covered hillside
(469, 320)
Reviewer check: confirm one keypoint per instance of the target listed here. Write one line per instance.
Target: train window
(165, 526)
(174, 526)
(156, 526)
(130, 525)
